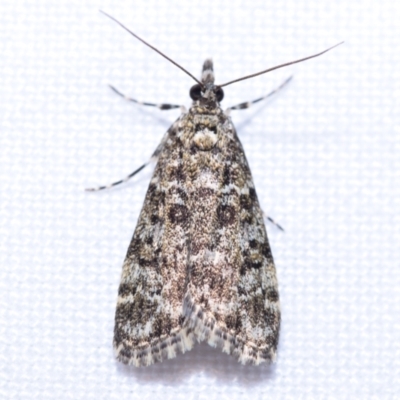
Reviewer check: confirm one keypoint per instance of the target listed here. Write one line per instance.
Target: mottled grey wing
(232, 298)
(148, 320)
(199, 265)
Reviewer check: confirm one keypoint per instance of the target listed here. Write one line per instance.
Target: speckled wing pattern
(199, 266)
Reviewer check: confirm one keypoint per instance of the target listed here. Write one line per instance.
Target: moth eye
(195, 92)
(220, 94)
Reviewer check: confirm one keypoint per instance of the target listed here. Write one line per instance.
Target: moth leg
(131, 175)
(154, 157)
(272, 221)
(161, 106)
(248, 104)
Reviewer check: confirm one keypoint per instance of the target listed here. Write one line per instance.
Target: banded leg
(153, 158)
(248, 104)
(155, 154)
(272, 221)
(131, 175)
(161, 106)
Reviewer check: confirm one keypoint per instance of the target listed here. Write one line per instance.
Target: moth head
(197, 92)
(207, 90)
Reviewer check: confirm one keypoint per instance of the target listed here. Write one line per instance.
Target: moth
(199, 266)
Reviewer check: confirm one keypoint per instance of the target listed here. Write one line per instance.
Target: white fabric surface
(325, 159)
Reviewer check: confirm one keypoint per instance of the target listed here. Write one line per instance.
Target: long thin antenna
(279, 66)
(152, 47)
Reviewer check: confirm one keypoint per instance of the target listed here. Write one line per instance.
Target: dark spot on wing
(154, 219)
(253, 243)
(172, 131)
(178, 213)
(162, 198)
(249, 264)
(126, 289)
(152, 189)
(266, 251)
(177, 173)
(180, 175)
(225, 214)
(232, 322)
(246, 201)
(156, 328)
(226, 179)
(181, 194)
(134, 247)
(146, 263)
(241, 290)
(273, 295)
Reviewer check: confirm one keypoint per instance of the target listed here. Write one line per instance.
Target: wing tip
(198, 326)
(206, 328)
(158, 351)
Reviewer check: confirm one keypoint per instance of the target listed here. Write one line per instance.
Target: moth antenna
(279, 66)
(152, 47)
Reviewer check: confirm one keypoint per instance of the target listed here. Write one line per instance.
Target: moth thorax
(206, 136)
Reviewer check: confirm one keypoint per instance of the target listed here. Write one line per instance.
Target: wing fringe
(198, 326)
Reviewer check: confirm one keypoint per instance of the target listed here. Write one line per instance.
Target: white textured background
(325, 159)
